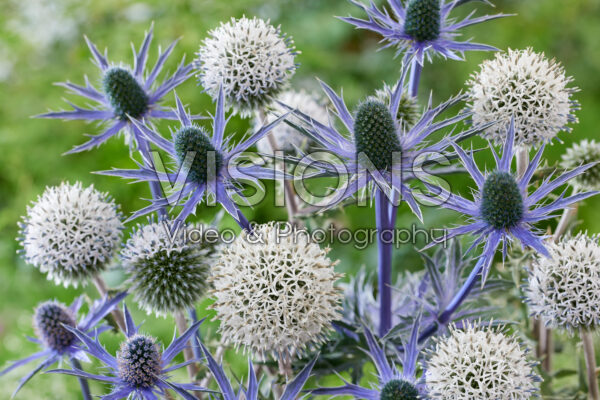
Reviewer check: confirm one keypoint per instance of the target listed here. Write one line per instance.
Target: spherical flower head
(408, 109)
(285, 137)
(250, 58)
(125, 94)
(139, 361)
(49, 320)
(71, 233)
(528, 86)
(274, 291)
(398, 389)
(168, 270)
(375, 134)
(584, 152)
(423, 20)
(477, 362)
(564, 290)
(193, 141)
(501, 200)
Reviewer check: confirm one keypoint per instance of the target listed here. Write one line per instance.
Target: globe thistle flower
(479, 363)
(274, 291)
(408, 109)
(392, 384)
(70, 233)
(126, 93)
(208, 169)
(285, 137)
(503, 208)
(168, 272)
(528, 86)
(250, 59)
(421, 27)
(584, 152)
(140, 370)
(564, 290)
(57, 342)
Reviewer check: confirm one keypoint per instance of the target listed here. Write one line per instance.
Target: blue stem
(155, 188)
(415, 78)
(385, 263)
(85, 388)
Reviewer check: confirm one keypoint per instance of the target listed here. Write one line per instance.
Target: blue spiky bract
(139, 361)
(194, 140)
(501, 200)
(398, 389)
(375, 134)
(124, 93)
(48, 322)
(422, 21)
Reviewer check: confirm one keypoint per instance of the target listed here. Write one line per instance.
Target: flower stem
(415, 78)
(116, 313)
(385, 263)
(188, 353)
(155, 188)
(590, 362)
(85, 388)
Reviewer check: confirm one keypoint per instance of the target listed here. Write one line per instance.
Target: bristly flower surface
(564, 290)
(421, 28)
(527, 86)
(584, 152)
(70, 233)
(141, 369)
(126, 93)
(250, 59)
(207, 166)
(50, 323)
(168, 271)
(275, 291)
(477, 362)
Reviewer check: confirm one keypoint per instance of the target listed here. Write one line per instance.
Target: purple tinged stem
(385, 264)
(85, 387)
(415, 78)
(155, 187)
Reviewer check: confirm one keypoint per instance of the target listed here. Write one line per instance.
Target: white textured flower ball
(408, 108)
(528, 86)
(169, 269)
(584, 152)
(250, 58)
(564, 291)
(285, 137)
(274, 291)
(71, 233)
(479, 363)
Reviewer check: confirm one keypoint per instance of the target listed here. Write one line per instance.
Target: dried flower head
(528, 86)
(274, 291)
(285, 137)
(584, 152)
(564, 290)
(251, 59)
(169, 270)
(477, 362)
(71, 233)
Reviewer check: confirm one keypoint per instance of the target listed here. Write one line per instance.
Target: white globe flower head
(564, 291)
(250, 59)
(477, 362)
(528, 86)
(285, 137)
(275, 292)
(70, 233)
(584, 152)
(169, 268)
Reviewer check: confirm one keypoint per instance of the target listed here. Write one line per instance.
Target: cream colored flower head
(584, 152)
(275, 291)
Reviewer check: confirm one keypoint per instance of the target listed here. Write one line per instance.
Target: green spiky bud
(375, 134)
(124, 93)
(49, 320)
(138, 361)
(501, 200)
(398, 389)
(207, 159)
(408, 107)
(422, 21)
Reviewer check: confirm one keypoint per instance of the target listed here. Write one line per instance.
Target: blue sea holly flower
(50, 322)
(206, 163)
(503, 207)
(125, 93)
(140, 370)
(421, 27)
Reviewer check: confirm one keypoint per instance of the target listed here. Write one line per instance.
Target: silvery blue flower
(57, 342)
(208, 161)
(421, 27)
(140, 370)
(126, 93)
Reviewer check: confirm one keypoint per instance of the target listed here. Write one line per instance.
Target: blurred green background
(41, 42)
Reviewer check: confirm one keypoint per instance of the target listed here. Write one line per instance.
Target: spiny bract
(48, 322)
(139, 361)
(375, 135)
(398, 389)
(422, 21)
(501, 200)
(192, 141)
(124, 93)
